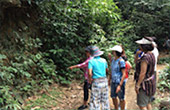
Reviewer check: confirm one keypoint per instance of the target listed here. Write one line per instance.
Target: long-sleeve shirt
(84, 66)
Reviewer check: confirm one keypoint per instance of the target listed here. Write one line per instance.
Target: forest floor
(71, 97)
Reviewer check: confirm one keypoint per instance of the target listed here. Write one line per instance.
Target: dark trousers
(86, 90)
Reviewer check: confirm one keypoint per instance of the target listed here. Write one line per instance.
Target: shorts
(100, 95)
(142, 99)
(120, 94)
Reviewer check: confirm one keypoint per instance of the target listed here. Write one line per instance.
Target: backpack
(127, 69)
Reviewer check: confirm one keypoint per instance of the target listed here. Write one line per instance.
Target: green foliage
(44, 101)
(164, 83)
(23, 68)
(69, 26)
(164, 60)
(149, 17)
(30, 60)
(23, 75)
(7, 99)
(122, 35)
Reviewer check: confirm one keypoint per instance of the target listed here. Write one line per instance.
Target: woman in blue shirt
(117, 77)
(97, 71)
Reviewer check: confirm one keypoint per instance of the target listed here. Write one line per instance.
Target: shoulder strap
(119, 63)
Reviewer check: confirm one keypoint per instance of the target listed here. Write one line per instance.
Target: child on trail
(97, 71)
(117, 77)
(84, 65)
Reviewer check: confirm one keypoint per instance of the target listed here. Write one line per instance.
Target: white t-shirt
(156, 54)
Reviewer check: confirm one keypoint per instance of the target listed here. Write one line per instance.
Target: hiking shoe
(82, 107)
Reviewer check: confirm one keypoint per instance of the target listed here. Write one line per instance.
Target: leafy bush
(164, 60)
(164, 83)
(24, 69)
(32, 60)
(23, 75)
(69, 26)
(149, 17)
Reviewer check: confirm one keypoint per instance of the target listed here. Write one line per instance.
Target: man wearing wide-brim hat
(97, 71)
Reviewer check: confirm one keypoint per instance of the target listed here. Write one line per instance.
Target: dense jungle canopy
(40, 39)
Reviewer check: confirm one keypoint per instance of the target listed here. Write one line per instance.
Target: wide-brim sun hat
(96, 51)
(117, 48)
(89, 49)
(143, 41)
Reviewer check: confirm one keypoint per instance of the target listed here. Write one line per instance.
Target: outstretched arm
(72, 67)
(81, 65)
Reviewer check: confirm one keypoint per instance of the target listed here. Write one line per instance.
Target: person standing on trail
(155, 52)
(86, 87)
(145, 77)
(128, 65)
(97, 71)
(117, 77)
(167, 44)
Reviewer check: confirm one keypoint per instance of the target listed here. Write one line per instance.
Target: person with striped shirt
(145, 76)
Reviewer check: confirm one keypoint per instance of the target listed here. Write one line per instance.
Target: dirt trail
(73, 96)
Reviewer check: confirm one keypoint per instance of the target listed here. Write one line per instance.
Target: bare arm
(109, 76)
(123, 77)
(72, 67)
(107, 71)
(121, 82)
(110, 57)
(129, 64)
(90, 76)
(141, 76)
(81, 65)
(142, 73)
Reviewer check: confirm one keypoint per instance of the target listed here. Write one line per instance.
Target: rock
(73, 96)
